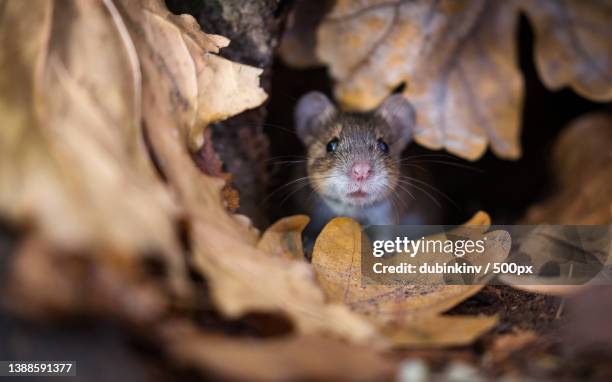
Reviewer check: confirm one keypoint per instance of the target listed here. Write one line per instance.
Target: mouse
(353, 165)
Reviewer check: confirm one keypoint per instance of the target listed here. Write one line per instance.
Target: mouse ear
(311, 111)
(400, 116)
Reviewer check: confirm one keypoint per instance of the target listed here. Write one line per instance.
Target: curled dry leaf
(72, 159)
(408, 314)
(284, 238)
(283, 359)
(177, 60)
(249, 280)
(458, 61)
(242, 279)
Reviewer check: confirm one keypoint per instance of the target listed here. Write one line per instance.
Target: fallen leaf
(583, 175)
(241, 278)
(244, 280)
(72, 160)
(284, 238)
(282, 359)
(408, 314)
(458, 61)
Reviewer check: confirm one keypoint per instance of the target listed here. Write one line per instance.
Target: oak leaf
(458, 61)
(407, 314)
(242, 279)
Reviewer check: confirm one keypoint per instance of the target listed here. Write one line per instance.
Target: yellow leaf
(403, 310)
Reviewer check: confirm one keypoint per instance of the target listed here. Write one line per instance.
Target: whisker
(281, 128)
(302, 157)
(430, 156)
(305, 179)
(436, 190)
(406, 190)
(288, 162)
(412, 165)
(299, 188)
(460, 165)
(424, 191)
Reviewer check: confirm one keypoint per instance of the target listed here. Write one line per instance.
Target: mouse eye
(382, 146)
(332, 145)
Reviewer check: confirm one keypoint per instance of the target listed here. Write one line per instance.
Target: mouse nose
(361, 170)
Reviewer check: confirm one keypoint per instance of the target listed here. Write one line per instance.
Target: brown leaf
(583, 173)
(72, 159)
(582, 166)
(244, 279)
(572, 45)
(241, 278)
(408, 313)
(283, 359)
(458, 61)
(284, 238)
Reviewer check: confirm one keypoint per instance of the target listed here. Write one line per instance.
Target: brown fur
(358, 136)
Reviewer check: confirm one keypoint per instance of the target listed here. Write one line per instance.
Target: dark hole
(399, 88)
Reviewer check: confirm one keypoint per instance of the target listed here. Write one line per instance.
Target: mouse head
(353, 157)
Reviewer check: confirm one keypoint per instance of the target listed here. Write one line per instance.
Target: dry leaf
(283, 359)
(458, 61)
(572, 45)
(71, 145)
(175, 56)
(583, 175)
(337, 262)
(241, 278)
(72, 159)
(245, 280)
(284, 238)
(409, 313)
